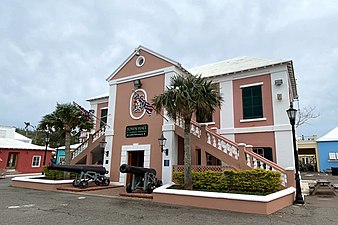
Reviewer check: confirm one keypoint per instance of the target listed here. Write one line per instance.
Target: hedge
(258, 181)
(56, 174)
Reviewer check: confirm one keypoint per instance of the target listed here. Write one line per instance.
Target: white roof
(74, 146)
(105, 95)
(331, 136)
(233, 65)
(20, 137)
(6, 143)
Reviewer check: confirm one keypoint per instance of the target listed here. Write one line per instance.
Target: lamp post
(46, 141)
(103, 144)
(162, 140)
(292, 117)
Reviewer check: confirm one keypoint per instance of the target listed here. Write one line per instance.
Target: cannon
(84, 174)
(143, 178)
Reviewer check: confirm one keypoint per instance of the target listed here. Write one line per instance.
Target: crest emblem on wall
(137, 104)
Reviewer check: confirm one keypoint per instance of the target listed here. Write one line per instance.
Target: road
(32, 207)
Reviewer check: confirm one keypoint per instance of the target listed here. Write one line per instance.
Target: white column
(110, 128)
(227, 110)
(168, 130)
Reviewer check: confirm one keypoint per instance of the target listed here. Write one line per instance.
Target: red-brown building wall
(24, 159)
(153, 86)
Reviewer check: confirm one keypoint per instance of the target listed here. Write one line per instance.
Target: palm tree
(186, 96)
(66, 118)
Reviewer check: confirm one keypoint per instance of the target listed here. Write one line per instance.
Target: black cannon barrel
(124, 168)
(78, 168)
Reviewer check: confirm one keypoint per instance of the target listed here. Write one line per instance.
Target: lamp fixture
(292, 117)
(162, 141)
(103, 144)
(137, 83)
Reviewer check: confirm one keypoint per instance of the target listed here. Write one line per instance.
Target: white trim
(131, 104)
(139, 76)
(251, 85)
(35, 179)
(137, 62)
(257, 198)
(252, 120)
(39, 162)
(135, 147)
(226, 131)
(332, 156)
(136, 51)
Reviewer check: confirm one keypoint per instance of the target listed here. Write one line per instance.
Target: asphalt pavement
(28, 207)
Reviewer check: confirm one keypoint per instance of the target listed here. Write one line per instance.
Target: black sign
(137, 131)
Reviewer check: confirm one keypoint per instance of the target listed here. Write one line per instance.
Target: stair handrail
(222, 143)
(80, 148)
(97, 134)
(255, 160)
(229, 147)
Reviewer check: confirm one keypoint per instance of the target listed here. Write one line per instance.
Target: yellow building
(308, 153)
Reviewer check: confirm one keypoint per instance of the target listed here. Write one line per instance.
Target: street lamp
(46, 141)
(292, 117)
(162, 140)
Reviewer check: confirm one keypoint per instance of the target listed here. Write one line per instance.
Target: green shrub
(256, 181)
(56, 174)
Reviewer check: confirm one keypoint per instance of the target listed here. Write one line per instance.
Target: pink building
(251, 122)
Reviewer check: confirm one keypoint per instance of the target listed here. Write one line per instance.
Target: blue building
(328, 151)
(60, 152)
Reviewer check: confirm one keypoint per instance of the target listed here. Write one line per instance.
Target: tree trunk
(187, 156)
(67, 153)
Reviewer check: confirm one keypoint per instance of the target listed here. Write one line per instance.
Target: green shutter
(252, 102)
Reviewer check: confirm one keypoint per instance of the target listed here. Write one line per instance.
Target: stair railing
(253, 160)
(99, 133)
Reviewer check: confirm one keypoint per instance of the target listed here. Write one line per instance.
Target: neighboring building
(9, 132)
(256, 95)
(308, 153)
(328, 151)
(60, 153)
(20, 157)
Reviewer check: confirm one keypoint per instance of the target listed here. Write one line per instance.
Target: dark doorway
(12, 160)
(135, 158)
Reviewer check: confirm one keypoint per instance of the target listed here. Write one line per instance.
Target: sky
(63, 51)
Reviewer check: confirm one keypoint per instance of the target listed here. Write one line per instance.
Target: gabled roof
(235, 65)
(243, 64)
(136, 51)
(7, 143)
(331, 136)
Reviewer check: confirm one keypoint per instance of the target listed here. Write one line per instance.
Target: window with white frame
(252, 101)
(333, 156)
(36, 161)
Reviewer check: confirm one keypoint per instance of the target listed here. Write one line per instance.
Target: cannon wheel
(150, 188)
(76, 182)
(105, 181)
(98, 182)
(83, 184)
(128, 188)
(159, 183)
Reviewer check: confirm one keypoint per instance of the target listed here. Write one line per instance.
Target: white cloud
(60, 51)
